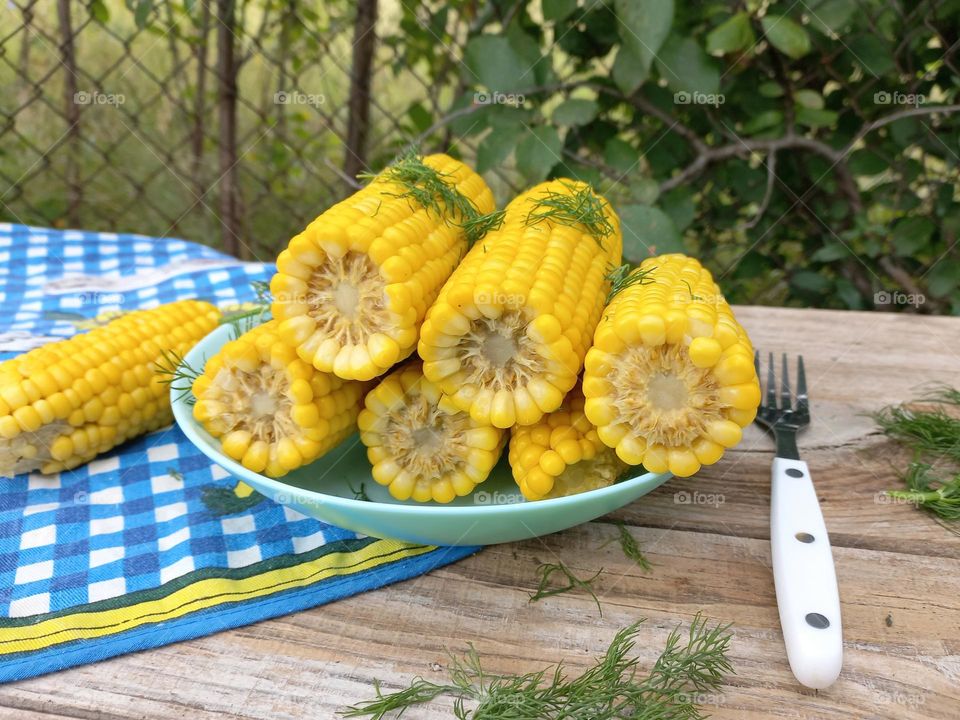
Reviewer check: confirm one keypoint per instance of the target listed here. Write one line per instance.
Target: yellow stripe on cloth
(204, 593)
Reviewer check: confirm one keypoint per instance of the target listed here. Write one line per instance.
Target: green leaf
(554, 10)
(628, 70)
(866, 162)
(493, 62)
(575, 111)
(142, 13)
(810, 282)
(99, 11)
(687, 68)
(538, 152)
(678, 204)
(644, 27)
(943, 279)
(815, 118)
(830, 252)
(786, 36)
(832, 16)
(644, 190)
(730, 36)
(620, 155)
(809, 99)
(912, 234)
(647, 231)
(874, 55)
(496, 147)
(763, 121)
(771, 90)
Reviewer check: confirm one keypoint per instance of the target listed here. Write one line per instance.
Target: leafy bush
(808, 151)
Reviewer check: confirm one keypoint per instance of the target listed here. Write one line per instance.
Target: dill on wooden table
(692, 663)
(930, 427)
(630, 547)
(547, 570)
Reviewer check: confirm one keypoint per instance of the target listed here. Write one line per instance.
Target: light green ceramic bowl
(325, 489)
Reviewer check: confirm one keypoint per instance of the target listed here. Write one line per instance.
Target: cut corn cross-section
(421, 447)
(562, 454)
(64, 403)
(352, 289)
(507, 336)
(670, 380)
(271, 411)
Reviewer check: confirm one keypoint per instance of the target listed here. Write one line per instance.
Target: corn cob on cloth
(150, 543)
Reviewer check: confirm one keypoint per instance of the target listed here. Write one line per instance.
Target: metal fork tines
(778, 412)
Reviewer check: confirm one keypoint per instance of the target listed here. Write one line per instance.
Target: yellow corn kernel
(419, 449)
(62, 403)
(271, 411)
(670, 379)
(507, 335)
(562, 454)
(352, 289)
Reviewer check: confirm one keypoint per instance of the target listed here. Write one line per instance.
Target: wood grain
(899, 575)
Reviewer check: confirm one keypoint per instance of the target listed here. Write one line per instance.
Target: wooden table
(899, 575)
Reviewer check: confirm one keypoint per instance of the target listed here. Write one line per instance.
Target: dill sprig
(692, 663)
(630, 547)
(360, 494)
(581, 206)
(620, 278)
(928, 428)
(434, 191)
(931, 490)
(244, 320)
(176, 372)
(547, 570)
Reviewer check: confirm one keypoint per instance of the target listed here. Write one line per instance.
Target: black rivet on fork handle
(794, 473)
(818, 621)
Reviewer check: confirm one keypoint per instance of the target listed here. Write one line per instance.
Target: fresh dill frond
(930, 427)
(625, 276)
(478, 226)
(175, 474)
(692, 664)
(630, 547)
(248, 318)
(547, 570)
(935, 491)
(360, 494)
(434, 191)
(930, 430)
(581, 206)
(176, 372)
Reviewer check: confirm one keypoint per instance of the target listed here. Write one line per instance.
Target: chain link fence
(230, 123)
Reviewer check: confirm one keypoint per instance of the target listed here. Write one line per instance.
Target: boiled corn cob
(271, 411)
(670, 379)
(421, 447)
(352, 289)
(561, 454)
(507, 336)
(64, 403)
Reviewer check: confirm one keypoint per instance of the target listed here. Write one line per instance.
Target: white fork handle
(804, 576)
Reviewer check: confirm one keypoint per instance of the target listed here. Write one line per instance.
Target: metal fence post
(71, 112)
(227, 111)
(358, 124)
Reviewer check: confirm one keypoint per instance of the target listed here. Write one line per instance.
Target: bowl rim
(204, 442)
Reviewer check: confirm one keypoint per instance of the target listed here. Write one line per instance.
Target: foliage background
(806, 150)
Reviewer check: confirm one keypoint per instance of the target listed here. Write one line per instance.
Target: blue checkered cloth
(131, 534)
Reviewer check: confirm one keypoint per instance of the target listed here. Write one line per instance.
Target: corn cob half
(562, 454)
(271, 411)
(670, 380)
(507, 336)
(352, 289)
(64, 403)
(419, 446)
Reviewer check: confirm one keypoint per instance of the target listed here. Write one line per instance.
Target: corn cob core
(670, 379)
(271, 411)
(351, 290)
(562, 454)
(507, 336)
(64, 403)
(420, 447)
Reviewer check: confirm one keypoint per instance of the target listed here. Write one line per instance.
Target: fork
(803, 571)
